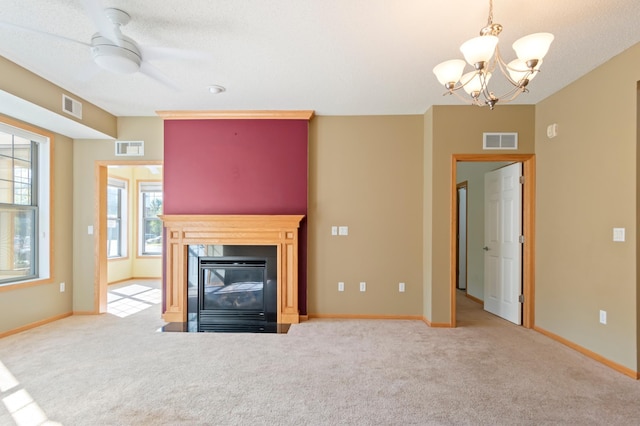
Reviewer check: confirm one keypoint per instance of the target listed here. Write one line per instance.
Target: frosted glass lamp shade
(479, 49)
(472, 81)
(518, 70)
(449, 71)
(533, 46)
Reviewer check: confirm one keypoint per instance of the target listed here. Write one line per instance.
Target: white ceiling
(337, 57)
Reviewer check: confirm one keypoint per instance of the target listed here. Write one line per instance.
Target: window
(116, 218)
(24, 205)
(150, 224)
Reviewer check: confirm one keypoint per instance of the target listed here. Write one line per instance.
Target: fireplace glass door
(233, 285)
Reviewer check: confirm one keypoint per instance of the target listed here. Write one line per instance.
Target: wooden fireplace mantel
(278, 230)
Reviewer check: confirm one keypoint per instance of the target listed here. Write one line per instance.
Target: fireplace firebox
(233, 288)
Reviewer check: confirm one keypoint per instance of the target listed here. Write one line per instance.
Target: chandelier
(483, 54)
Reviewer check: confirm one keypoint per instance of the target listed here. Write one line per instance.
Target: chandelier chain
(490, 20)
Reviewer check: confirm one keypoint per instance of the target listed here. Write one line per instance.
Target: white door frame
(528, 229)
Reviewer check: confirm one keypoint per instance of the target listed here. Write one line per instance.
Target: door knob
(485, 248)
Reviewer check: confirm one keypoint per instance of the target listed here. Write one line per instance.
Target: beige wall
(30, 87)
(365, 173)
(458, 130)
(23, 306)
(587, 185)
(86, 153)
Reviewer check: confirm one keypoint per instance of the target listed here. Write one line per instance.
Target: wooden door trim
(528, 229)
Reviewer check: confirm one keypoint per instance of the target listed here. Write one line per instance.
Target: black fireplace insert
(235, 293)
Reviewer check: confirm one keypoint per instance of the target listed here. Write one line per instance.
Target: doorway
(528, 165)
(134, 252)
(461, 236)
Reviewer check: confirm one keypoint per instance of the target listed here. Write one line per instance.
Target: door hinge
(521, 239)
(521, 298)
(521, 179)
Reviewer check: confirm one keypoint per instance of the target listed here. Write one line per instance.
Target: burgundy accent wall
(239, 167)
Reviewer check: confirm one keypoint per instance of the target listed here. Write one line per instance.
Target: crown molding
(237, 115)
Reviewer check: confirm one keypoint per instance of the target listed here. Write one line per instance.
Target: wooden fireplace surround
(278, 230)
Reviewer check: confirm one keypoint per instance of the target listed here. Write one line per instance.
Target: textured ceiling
(337, 57)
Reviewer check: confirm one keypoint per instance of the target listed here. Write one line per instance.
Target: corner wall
(587, 185)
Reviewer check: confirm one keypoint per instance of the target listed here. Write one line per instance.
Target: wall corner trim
(436, 324)
(584, 351)
(35, 324)
(238, 115)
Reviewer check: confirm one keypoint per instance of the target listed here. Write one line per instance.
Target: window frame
(122, 185)
(146, 187)
(42, 184)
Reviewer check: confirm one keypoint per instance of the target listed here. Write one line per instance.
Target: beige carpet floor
(106, 370)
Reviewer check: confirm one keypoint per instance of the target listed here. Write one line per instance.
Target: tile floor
(130, 297)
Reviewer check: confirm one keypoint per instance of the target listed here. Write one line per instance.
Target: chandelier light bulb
(449, 71)
(479, 49)
(533, 46)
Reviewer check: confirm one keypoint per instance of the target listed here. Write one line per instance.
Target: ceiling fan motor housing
(123, 59)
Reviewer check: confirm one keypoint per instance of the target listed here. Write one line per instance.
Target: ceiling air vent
(71, 106)
(499, 141)
(130, 148)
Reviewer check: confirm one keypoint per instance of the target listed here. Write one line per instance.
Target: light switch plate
(363, 286)
(340, 286)
(334, 230)
(343, 230)
(618, 234)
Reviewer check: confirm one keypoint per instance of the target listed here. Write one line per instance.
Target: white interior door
(503, 250)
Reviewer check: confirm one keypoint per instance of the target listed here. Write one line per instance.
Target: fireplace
(232, 288)
(184, 232)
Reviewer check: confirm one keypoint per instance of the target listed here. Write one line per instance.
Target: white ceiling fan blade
(155, 53)
(44, 33)
(154, 73)
(105, 27)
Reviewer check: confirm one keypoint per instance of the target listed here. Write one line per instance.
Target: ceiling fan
(114, 52)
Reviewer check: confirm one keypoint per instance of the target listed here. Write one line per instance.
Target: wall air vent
(499, 141)
(129, 148)
(71, 106)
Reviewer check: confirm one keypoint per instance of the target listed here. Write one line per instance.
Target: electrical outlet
(62, 285)
(603, 317)
(363, 286)
(340, 286)
(401, 287)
